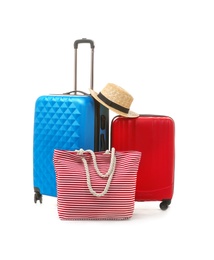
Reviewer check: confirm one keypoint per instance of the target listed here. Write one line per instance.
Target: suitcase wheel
(164, 204)
(37, 196)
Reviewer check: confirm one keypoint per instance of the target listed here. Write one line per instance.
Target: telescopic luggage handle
(83, 40)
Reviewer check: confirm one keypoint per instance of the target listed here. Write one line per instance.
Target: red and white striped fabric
(76, 201)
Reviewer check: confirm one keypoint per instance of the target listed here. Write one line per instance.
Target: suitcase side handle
(83, 40)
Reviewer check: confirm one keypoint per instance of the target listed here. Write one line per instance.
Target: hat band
(112, 104)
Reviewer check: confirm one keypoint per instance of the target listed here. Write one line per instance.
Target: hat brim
(129, 114)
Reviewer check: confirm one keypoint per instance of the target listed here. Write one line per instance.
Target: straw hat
(116, 99)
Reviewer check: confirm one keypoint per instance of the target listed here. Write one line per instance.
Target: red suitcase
(154, 136)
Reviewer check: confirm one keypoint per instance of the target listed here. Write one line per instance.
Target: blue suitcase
(69, 121)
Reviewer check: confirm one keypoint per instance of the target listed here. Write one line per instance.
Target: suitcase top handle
(83, 40)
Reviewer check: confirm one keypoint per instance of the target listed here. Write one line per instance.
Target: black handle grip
(83, 40)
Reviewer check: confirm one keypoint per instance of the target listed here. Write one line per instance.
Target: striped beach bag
(95, 185)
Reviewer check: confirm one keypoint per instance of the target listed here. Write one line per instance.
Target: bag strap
(108, 174)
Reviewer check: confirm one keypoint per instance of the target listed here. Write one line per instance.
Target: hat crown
(117, 95)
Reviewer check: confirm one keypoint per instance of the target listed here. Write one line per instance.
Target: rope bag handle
(108, 174)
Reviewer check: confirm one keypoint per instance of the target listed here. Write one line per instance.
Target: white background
(162, 52)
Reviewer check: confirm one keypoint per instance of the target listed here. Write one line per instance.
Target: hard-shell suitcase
(67, 121)
(154, 137)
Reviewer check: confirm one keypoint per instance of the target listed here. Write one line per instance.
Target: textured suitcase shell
(152, 135)
(64, 122)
